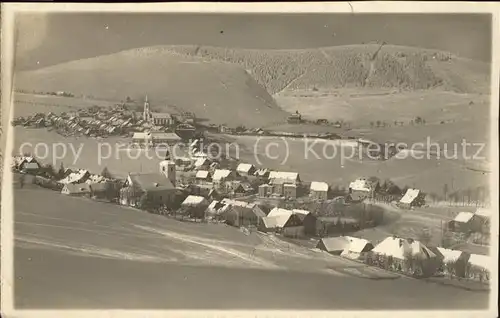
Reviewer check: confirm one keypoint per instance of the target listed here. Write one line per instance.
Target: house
(465, 222)
(279, 179)
(156, 187)
(155, 138)
(165, 138)
(262, 174)
(202, 164)
(287, 225)
(75, 177)
(286, 177)
(286, 221)
(484, 215)
(205, 190)
(346, 246)
(195, 206)
(401, 250)
(213, 208)
(333, 245)
(319, 190)
(162, 119)
(360, 189)
(100, 189)
(290, 191)
(222, 175)
(185, 131)
(239, 189)
(295, 118)
(457, 261)
(141, 138)
(412, 197)
(94, 178)
(81, 189)
(202, 176)
(265, 190)
(239, 213)
(245, 169)
(26, 163)
(356, 248)
(309, 220)
(482, 262)
(183, 162)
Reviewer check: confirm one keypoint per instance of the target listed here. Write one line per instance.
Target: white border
(8, 11)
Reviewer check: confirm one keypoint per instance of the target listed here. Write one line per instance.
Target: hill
(234, 86)
(219, 92)
(367, 65)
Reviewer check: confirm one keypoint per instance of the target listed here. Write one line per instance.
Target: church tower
(147, 111)
(168, 169)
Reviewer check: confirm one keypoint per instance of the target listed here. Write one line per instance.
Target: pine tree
(61, 172)
(106, 174)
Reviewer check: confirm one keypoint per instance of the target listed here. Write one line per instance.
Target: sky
(45, 40)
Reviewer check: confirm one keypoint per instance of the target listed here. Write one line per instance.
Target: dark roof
(246, 211)
(151, 181)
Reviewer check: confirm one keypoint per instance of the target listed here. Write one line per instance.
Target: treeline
(468, 196)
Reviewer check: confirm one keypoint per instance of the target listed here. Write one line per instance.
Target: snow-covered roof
(19, 159)
(141, 135)
(303, 212)
(482, 261)
(319, 186)
(360, 185)
(449, 255)
(200, 154)
(279, 211)
(202, 174)
(94, 178)
(410, 195)
(165, 136)
(356, 245)
(277, 220)
(220, 174)
(399, 248)
(161, 115)
(289, 176)
(333, 244)
(237, 203)
(214, 207)
(244, 167)
(484, 212)
(74, 177)
(194, 200)
(464, 217)
(200, 162)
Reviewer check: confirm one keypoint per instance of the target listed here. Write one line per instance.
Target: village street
(77, 253)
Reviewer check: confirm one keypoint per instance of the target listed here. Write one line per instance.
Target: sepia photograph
(335, 160)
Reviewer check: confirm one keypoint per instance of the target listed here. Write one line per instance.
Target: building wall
(290, 192)
(163, 197)
(319, 195)
(162, 121)
(293, 231)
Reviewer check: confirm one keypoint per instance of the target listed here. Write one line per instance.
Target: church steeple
(147, 111)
